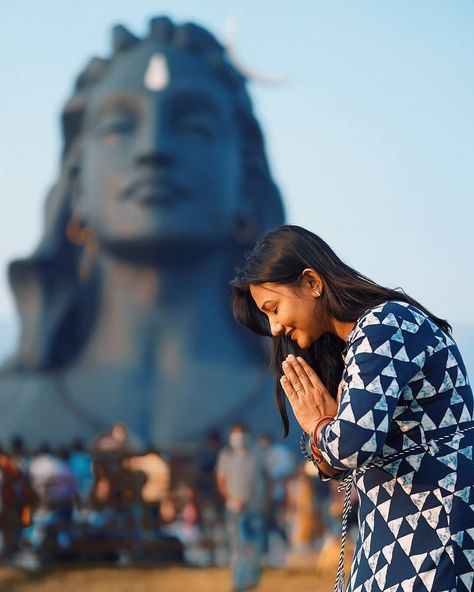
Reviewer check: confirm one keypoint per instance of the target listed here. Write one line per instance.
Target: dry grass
(158, 579)
(308, 572)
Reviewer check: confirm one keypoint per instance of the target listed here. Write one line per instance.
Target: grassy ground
(162, 579)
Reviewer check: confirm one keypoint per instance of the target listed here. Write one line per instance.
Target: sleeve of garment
(387, 349)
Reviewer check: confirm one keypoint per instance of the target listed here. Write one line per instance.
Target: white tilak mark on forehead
(157, 75)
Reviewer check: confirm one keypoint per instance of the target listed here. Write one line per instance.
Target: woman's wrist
(314, 434)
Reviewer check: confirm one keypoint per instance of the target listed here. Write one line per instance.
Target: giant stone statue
(124, 308)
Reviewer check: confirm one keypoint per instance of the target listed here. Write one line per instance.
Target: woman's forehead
(269, 291)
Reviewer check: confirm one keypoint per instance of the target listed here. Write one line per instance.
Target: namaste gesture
(308, 396)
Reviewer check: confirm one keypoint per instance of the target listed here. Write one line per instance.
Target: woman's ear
(313, 280)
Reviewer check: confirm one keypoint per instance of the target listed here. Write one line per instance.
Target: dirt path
(169, 579)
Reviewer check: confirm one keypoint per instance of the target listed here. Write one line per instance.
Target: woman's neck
(341, 329)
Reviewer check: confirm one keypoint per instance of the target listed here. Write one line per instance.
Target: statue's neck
(145, 289)
(185, 308)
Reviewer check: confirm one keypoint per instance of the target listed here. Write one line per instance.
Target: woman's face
(294, 311)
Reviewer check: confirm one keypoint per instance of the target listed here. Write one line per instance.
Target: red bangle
(313, 439)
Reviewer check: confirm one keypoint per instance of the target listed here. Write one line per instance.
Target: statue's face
(161, 160)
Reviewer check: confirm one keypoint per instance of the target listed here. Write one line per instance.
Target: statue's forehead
(181, 79)
(156, 68)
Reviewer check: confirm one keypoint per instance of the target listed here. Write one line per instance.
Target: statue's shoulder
(11, 367)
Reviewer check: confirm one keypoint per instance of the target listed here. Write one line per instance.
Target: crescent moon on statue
(229, 44)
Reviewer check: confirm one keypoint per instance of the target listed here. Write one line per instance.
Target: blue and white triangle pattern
(405, 383)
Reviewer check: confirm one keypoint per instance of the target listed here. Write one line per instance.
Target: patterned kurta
(405, 383)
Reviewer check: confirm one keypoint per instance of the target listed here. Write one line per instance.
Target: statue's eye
(115, 126)
(199, 125)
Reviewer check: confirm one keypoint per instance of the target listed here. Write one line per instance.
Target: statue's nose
(156, 141)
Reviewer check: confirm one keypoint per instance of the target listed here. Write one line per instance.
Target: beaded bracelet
(313, 454)
(307, 452)
(313, 438)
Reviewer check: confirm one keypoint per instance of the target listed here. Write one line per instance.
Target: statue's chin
(163, 252)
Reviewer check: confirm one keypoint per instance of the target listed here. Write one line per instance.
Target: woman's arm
(388, 349)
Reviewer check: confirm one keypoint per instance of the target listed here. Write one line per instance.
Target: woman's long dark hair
(280, 257)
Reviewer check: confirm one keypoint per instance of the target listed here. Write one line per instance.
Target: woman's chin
(303, 343)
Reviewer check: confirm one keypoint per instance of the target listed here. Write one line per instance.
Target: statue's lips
(153, 192)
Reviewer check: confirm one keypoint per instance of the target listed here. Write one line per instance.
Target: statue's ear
(261, 203)
(245, 229)
(72, 168)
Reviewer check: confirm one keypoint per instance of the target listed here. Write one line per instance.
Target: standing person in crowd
(24, 497)
(156, 486)
(280, 464)
(101, 497)
(379, 386)
(206, 464)
(21, 509)
(241, 481)
(301, 515)
(54, 485)
(10, 479)
(80, 462)
(210, 501)
(19, 454)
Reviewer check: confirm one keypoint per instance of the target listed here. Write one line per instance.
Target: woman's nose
(276, 328)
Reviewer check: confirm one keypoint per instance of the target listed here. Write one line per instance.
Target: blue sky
(371, 139)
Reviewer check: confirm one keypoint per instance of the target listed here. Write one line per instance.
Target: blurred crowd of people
(247, 501)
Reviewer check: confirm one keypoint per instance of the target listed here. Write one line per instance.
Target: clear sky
(371, 139)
